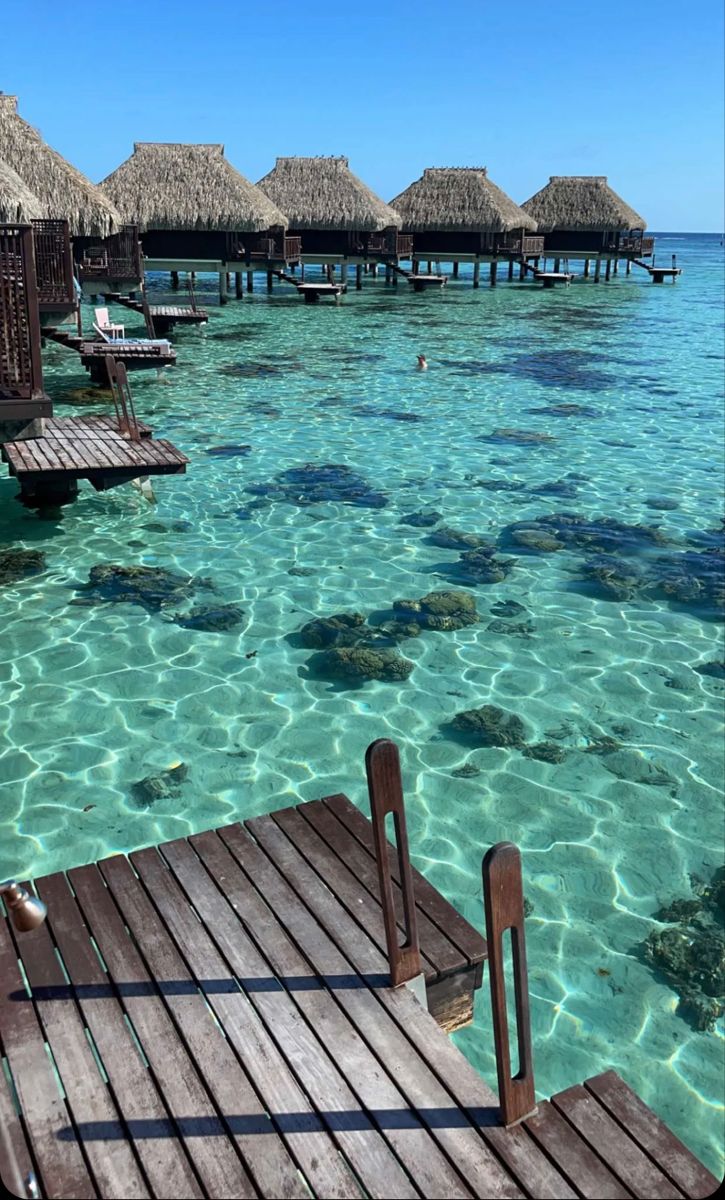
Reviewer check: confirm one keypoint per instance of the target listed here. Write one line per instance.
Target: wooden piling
(494, 272)
(522, 270)
(174, 281)
(616, 266)
(270, 281)
(455, 270)
(223, 293)
(388, 273)
(238, 285)
(476, 274)
(557, 265)
(250, 281)
(511, 269)
(343, 272)
(416, 266)
(629, 266)
(374, 270)
(608, 270)
(358, 277)
(586, 268)
(597, 269)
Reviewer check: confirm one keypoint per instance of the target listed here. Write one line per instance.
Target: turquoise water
(95, 697)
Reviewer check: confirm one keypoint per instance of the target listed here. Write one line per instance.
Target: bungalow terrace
(66, 206)
(457, 214)
(582, 217)
(337, 216)
(195, 212)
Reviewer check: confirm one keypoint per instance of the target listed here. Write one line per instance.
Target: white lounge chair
(106, 328)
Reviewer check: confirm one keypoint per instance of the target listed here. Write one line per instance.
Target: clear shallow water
(95, 698)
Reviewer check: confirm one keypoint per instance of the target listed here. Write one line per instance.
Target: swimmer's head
(422, 364)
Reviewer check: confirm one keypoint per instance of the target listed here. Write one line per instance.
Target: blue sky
(631, 91)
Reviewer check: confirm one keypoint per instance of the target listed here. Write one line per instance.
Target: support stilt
(629, 266)
(250, 281)
(223, 294)
(557, 265)
(597, 270)
(174, 281)
(511, 269)
(388, 273)
(522, 271)
(343, 272)
(494, 272)
(358, 277)
(416, 266)
(270, 281)
(238, 285)
(455, 270)
(430, 267)
(374, 270)
(608, 270)
(616, 266)
(586, 268)
(476, 274)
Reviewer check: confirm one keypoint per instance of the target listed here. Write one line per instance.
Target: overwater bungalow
(582, 217)
(457, 214)
(337, 216)
(196, 212)
(67, 207)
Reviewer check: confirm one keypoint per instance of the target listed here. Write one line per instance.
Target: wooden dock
(221, 1023)
(91, 448)
(135, 355)
(163, 316)
(422, 283)
(314, 292)
(551, 278)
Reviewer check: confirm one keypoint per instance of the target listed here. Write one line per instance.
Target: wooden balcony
(515, 244)
(21, 374)
(390, 245)
(253, 249)
(117, 259)
(634, 244)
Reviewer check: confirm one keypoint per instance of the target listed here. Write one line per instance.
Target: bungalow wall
(575, 242)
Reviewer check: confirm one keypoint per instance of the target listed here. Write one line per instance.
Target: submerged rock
(152, 588)
(440, 610)
(360, 663)
(545, 752)
(715, 669)
(518, 437)
(507, 608)
(616, 578)
(210, 618)
(664, 503)
(606, 535)
(316, 483)
(523, 630)
(484, 566)
(228, 451)
(422, 519)
(491, 726)
(17, 564)
(342, 629)
(539, 540)
(303, 572)
(566, 410)
(159, 787)
(635, 768)
(467, 771)
(456, 539)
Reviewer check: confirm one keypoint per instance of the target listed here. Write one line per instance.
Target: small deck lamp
(27, 912)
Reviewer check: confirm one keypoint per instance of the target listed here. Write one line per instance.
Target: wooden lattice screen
(21, 376)
(53, 262)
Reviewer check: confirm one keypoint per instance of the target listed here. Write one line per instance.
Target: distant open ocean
(97, 696)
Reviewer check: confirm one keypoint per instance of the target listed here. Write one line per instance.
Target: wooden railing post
(503, 899)
(385, 789)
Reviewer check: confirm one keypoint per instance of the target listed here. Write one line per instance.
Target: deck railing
(634, 244)
(21, 374)
(53, 263)
(515, 244)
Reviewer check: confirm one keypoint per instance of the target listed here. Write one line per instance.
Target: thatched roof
(461, 200)
(581, 202)
(17, 202)
(323, 193)
(64, 193)
(175, 185)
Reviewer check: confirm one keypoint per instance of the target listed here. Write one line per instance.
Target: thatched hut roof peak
(323, 193)
(18, 205)
(581, 203)
(188, 185)
(459, 200)
(62, 191)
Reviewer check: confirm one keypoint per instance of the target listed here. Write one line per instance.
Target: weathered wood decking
(91, 448)
(219, 1015)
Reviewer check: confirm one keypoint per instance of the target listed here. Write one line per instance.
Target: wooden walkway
(163, 316)
(90, 448)
(219, 1015)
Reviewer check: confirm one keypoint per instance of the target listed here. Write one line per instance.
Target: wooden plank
(308, 1055)
(16, 1161)
(216, 1162)
(612, 1143)
(288, 1107)
(514, 1147)
(270, 1164)
(354, 993)
(173, 451)
(111, 1160)
(149, 1125)
(62, 1168)
(585, 1170)
(364, 907)
(652, 1135)
(364, 1072)
(51, 456)
(427, 898)
(438, 949)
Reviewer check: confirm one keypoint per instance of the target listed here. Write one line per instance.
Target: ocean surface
(97, 696)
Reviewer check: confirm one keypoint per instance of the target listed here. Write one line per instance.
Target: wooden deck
(92, 448)
(219, 1015)
(421, 283)
(164, 316)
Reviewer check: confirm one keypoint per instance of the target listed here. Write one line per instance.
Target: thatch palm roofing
(177, 185)
(64, 193)
(323, 193)
(461, 200)
(581, 202)
(17, 202)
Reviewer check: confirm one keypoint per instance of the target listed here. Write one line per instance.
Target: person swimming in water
(422, 364)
